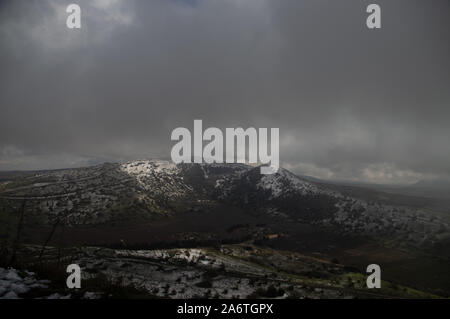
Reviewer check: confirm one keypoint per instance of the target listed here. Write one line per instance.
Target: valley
(275, 223)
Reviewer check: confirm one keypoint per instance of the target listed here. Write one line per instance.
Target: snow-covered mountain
(154, 189)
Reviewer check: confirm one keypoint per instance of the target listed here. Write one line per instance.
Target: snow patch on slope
(157, 177)
(284, 181)
(12, 285)
(149, 167)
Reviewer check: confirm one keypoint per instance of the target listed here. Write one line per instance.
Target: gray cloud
(350, 103)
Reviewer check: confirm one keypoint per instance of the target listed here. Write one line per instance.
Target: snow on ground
(201, 257)
(13, 284)
(283, 179)
(157, 177)
(148, 167)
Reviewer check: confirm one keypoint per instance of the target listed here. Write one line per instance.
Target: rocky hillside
(154, 190)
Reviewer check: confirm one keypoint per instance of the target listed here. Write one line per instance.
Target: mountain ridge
(144, 191)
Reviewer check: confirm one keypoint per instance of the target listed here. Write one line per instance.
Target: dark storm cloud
(351, 103)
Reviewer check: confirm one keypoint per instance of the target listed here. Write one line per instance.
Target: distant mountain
(439, 188)
(430, 188)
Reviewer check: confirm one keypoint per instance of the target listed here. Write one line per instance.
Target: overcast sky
(351, 103)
